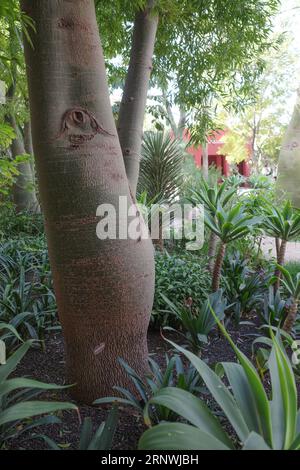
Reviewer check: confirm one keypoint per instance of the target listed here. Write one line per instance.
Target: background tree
(13, 74)
(104, 288)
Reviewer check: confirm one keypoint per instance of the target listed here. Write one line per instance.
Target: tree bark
(277, 246)
(212, 246)
(280, 260)
(29, 150)
(205, 161)
(24, 195)
(133, 104)
(291, 317)
(218, 267)
(289, 158)
(104, 288)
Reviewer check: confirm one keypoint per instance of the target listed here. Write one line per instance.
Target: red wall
(219, 160)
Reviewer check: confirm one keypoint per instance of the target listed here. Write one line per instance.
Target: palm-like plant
(228, 226)
(292, 286)
(283, 224)
(161, 167)
(212, 197)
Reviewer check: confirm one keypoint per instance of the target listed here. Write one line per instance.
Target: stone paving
(292, 249)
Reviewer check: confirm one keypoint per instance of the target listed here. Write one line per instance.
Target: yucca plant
(292, 287)
(197, 322)
(259, 423)
(211, 197)
(228, 226)
(282, 224)
(16, 404)
(174, 374)
(161, 166)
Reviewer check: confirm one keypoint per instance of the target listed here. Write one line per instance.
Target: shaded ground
(50, 367)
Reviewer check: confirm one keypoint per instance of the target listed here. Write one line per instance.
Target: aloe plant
(260, 423)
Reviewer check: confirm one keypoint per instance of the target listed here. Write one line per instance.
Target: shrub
(178, 277)
(14, 224)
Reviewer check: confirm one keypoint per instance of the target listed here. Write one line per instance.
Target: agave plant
(16, 404)
(260, 423)
(292, 286)
(228, 226)
(211, 198)
(197, 323)
(284, 225)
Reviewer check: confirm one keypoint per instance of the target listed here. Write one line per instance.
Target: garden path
(292, 250)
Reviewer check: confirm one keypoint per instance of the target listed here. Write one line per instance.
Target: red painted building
(215, 156)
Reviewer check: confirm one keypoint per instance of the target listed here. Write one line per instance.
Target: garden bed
(50, 367)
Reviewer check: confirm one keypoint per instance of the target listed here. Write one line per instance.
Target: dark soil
(49, 367)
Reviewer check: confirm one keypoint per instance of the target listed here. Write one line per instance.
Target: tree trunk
(133, 104)
(218, 267)
(29, 150)
(289, 158)
(181, 122)
(205, 161)
(291, 317)
(277, 246)
(280, 260)
(104, 288)
(212, 246)
(24, 195)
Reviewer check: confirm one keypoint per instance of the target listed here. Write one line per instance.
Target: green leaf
(178, 436)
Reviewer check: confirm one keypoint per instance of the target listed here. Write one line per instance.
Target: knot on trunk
(79, 125)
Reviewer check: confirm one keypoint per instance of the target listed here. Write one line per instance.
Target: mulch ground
(49, 367)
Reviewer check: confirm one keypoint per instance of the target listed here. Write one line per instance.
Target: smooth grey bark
(205, 160)
(23, 190)
(24, 195)
(182, 121)
(289, 159)
(133, 104)
(29, 150)
(104, 288)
